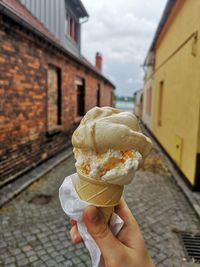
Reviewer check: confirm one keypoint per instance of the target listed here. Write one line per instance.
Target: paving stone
(38, 264)
(9, 260)
(2, 244)
(45, 257)
(76, 260)
(67, 264)
(33, 258)
(27, 248)
(16, 251)
(39, 234)
(59, 259)
(69, 254)
(51, 263)
(30, 253)
(84, 257)
(54, 254)
(81, 265)
(20, 256)
(23, 262)
(50, 250)
(79, 252)
(10, 265)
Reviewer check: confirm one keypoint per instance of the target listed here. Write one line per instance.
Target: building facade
(138, 103)
(44, 91)
(176, 86)
(61, 17)
(149, 66)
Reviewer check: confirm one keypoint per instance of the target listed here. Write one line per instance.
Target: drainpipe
(82, 22)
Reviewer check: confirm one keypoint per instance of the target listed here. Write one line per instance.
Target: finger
(73, 222)
(130, 226)
(75, 236)
(99, 230)
(125, 214)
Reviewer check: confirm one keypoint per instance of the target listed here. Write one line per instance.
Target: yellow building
(148, 90)
(175, 114)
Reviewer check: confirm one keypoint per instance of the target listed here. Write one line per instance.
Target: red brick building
(44, 90)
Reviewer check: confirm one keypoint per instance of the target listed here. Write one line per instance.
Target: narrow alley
(35, 231)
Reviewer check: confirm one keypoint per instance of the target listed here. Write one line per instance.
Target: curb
(11, 190)
(177, 177)
(181, 184)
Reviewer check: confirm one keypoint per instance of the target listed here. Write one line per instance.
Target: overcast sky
(122, 30)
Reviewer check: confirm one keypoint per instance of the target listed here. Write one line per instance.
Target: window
(111, 98)
(80, 94)
(72, 28)
(76, 32)
(54, 97)
(98, 95)
(148, 101)
(160, 103)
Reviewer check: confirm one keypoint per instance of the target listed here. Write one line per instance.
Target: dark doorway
(98, 95)
(197, 181)
(81, 100)
(59, 100)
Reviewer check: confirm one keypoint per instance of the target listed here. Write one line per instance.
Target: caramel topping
(85, 168)
(128, 154)
(111, 164)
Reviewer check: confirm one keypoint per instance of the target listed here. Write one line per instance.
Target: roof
(168, 8)
(17, 8)
(90, 65)
(18, 12)
(82, 12)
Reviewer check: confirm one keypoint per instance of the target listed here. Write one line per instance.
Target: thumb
(101, 233)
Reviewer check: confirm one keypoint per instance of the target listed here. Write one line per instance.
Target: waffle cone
(98, 193)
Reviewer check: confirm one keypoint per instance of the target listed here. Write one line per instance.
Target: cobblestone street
(35, 231)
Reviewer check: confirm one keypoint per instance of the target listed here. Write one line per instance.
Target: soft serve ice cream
(113, 166)
(109, 145)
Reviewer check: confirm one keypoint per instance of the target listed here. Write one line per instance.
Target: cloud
(130, 81)
(122, 31)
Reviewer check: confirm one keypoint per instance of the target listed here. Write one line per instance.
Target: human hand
(126, 249)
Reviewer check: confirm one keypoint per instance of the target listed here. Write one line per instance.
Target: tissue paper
(73, 206)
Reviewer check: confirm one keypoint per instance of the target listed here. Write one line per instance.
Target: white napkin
(73, 206)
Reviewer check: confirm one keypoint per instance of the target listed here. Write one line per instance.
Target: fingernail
(93, 215)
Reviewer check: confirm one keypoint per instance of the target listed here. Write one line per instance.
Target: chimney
(99, 61)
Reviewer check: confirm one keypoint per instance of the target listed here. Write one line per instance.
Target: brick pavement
(37, 235)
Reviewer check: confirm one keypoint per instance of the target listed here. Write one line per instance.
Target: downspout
(82, 22)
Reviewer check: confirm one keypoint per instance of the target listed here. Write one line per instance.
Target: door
(80, 96)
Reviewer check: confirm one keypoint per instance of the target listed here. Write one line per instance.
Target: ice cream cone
(98, 193)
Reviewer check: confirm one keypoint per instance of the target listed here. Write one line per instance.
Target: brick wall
(24, 137)
(52, 97)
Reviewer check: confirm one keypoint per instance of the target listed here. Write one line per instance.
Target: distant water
(128, 106)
